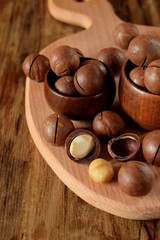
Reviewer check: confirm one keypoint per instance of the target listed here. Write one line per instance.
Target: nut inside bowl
(140, 105)
(79, 107)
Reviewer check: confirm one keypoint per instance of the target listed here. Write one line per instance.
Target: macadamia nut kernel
(81, 146)
(101, 170)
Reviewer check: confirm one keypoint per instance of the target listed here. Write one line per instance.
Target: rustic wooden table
(34, 203)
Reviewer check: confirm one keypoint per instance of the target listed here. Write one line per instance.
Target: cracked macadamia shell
(143, 49)
(151, 147)
(64, 60)
(89, 80)
(94, 153)
(152, 77)
(108, 124)
(137, 76)
(65, 86)
(35, 66)
(96, 62)
(124, 147)
(56, 128)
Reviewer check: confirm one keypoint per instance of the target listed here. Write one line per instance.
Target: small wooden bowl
(78, 108)
(143, 107)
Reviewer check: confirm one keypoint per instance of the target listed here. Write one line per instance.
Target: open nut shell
(92, 155)
(124, 147)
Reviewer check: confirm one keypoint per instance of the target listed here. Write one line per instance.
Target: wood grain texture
(34, 203)
(107, 197)
(141, 106)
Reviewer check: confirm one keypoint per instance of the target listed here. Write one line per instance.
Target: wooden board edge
(88, 195)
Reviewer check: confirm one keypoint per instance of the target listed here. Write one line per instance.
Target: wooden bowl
(81, 107)
(141, 106)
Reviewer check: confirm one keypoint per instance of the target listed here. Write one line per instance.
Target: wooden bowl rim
(52, 90)
(136, 87)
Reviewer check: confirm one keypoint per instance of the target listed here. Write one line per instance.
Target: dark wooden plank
(34, 203)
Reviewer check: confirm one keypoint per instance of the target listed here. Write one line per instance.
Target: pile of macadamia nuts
(76, 78)
(144, 52)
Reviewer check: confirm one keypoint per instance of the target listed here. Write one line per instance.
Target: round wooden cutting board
(99, 21)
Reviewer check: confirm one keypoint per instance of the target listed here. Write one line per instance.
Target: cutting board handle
(92, 13)
(82, 14)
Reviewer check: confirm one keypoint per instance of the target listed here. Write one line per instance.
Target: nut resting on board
(35, 66)
(56, 128)
(81, 146)
(108, 124)
(124, 147)
(135, 178)
(101, 171)
(91, 149)
(151, 147)
(113, 58)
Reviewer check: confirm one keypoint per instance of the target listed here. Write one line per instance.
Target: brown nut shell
(112, 58)
(56, 128)
(151, 147)
(35, 66)
(65, 86)
(108, 124)
(89, 80)
(99, 64)
(124, 147)
(79, 52)
(135, 178)
(64, 60)
(124, 33)
(92, 155)
(137, 76)
(152, 77)
(27, 64)
(143, 49)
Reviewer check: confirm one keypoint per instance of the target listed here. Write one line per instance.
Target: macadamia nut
(56, 128)
(81, 146)
(124, 33)
(35, 66)
(136, 178)
(108, 124)
(101, 170)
